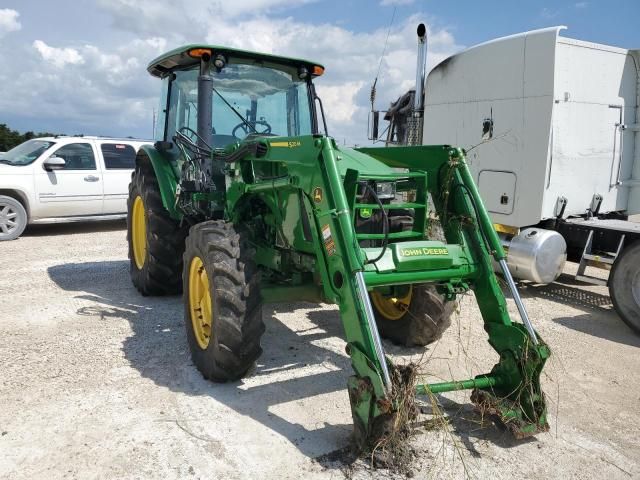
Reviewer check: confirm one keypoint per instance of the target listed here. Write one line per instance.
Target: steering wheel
(247, 130)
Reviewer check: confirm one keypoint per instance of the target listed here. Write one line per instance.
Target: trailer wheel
(223, 311)
(413, 315)
(624, 286)
(156, 241)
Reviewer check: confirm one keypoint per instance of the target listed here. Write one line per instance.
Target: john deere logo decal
(365, 213)
(417, 252)
(317, 194)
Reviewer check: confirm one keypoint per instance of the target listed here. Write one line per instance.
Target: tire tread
(237, 323)
(162, 272)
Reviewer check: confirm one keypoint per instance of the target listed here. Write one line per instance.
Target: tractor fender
(165, 175)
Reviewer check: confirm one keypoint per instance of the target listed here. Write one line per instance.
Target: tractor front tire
(156, 241)
(624, 286)
(417, 317)
(223, 311)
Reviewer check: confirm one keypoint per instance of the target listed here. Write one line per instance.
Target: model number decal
(291, 144)
(417, 252)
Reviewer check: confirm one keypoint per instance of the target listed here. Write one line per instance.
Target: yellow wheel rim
(139, 233)
(200, 306)
(392, 307)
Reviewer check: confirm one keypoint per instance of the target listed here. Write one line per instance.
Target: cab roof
(180, 58)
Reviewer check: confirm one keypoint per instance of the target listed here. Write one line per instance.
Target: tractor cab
(225, 95)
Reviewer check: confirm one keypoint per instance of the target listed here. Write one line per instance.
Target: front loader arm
(312, 171)
(512, 389)
(311, 167)
(370, 387)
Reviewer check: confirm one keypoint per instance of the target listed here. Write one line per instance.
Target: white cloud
(84, 88)
(9, 21)
(186, 18)
(230, 10)
(105, 89)
(58, 57)
(548, 13)
(351, 60)
(581, 4)
(340, 100)
(387, 3)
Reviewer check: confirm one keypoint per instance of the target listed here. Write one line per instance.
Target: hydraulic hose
(385, 225)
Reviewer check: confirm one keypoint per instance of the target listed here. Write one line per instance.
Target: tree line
(10, 138)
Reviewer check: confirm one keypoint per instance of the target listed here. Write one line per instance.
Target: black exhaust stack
(213, 169)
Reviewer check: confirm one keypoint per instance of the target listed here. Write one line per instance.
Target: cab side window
(77, 156)
(118, 156)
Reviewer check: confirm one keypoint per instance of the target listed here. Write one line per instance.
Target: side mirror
(53, 163)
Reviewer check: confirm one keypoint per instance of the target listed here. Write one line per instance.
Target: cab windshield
(25, 153)
(247, 99)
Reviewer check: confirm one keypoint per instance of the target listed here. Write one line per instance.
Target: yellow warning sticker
(317, 195)
(327, 239)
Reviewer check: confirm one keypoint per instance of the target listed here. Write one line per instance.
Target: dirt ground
(97, 382)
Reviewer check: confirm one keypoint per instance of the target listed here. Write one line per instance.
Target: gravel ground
(96, 382)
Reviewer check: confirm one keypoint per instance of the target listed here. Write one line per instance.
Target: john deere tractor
(245, 200)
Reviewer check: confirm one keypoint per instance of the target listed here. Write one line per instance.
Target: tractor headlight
(386, 190)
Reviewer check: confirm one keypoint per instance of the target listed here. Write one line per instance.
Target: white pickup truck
(62, 179)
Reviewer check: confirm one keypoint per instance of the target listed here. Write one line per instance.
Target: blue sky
(79, 66)
(471, 22)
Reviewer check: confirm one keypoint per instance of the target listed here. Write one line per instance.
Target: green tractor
(246, 200)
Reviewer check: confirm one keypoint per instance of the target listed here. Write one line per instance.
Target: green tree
(10, 138)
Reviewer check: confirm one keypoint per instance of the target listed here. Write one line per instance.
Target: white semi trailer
(551, 126)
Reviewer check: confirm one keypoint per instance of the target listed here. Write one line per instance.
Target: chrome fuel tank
(535, 254)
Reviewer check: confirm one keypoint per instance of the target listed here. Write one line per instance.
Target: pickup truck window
(25, 153)
(77, 156)
(118, 156)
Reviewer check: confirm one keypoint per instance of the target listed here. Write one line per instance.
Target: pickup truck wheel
(156, 241)
(13, 218)
(624, 286)
(413, 315)
(223, 313)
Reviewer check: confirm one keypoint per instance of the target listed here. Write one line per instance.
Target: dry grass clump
(392, 449)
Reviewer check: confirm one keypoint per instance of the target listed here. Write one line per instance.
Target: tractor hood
(363, 163)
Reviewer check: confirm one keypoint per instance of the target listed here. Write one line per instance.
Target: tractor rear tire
(156, 241)
(425, 319)
(624, 286)
(223, 310)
